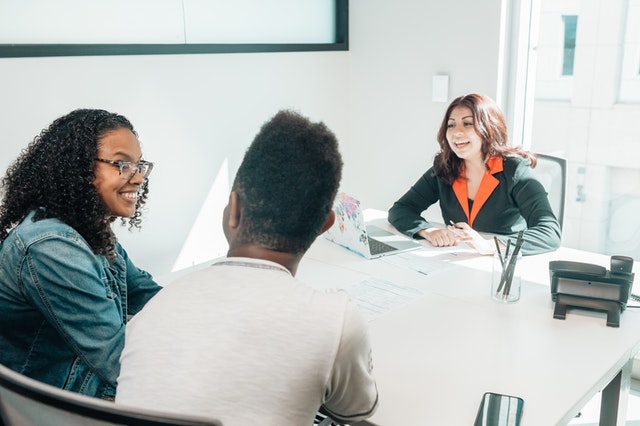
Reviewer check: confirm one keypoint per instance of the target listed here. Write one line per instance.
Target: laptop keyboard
(377, 247)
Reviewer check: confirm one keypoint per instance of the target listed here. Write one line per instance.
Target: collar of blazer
(487, 185)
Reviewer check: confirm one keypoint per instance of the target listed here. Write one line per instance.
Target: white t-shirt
(244, 342)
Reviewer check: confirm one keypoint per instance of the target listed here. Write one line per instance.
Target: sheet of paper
(432, 260)
(421, 264)
(375, 297)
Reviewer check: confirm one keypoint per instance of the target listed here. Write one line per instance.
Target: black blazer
(518, 202)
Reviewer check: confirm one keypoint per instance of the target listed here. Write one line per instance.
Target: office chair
(551, 171)
(28, 402)
(322, 419)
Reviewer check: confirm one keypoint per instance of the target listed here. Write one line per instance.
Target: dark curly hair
(54, 175)
(287, 183)
(489, 123)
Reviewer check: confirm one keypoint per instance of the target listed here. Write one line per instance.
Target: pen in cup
(495, 239)
(508, 263)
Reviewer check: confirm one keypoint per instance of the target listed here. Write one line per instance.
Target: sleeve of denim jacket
(65, 280)
(140, 284)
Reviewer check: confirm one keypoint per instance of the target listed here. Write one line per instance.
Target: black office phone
(589, 286)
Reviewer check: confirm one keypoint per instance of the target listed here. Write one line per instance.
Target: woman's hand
(471, 237)
(439, 237)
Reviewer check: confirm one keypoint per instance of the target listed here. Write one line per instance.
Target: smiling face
(119, 195)
(462, 136)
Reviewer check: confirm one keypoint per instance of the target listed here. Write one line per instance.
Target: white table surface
(435, 356)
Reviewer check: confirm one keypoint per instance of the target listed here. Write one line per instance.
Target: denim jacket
(63, 309)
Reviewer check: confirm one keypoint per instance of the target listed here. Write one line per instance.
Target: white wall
(194, 112)
(191, 113)
(396, 47)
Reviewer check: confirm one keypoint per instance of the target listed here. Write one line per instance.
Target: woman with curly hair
(67, 287)
(483, 184)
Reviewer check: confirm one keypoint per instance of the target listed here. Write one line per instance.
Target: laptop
(370, 241)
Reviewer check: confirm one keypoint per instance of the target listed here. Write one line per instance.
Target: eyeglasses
(128, 169)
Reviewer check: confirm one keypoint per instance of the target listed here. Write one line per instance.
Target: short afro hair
(287, 183)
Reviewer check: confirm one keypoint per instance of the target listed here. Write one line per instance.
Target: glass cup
(506, 281)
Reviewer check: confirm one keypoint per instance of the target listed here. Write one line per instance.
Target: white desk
(436, 356)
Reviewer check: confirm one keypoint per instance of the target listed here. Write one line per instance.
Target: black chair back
(28, 402)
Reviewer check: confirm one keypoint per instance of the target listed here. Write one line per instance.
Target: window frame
(49, 50)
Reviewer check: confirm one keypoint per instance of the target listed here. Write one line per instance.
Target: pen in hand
(455, 227)
(470, 237)
(457, 231)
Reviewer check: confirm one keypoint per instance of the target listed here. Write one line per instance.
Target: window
(568, 54)
(554, 43)
(136, 27)
(630, 68)
(587, 94)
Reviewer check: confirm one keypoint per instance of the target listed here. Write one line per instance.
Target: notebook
(350, 232)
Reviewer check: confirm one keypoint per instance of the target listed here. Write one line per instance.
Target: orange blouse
(487, 185)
